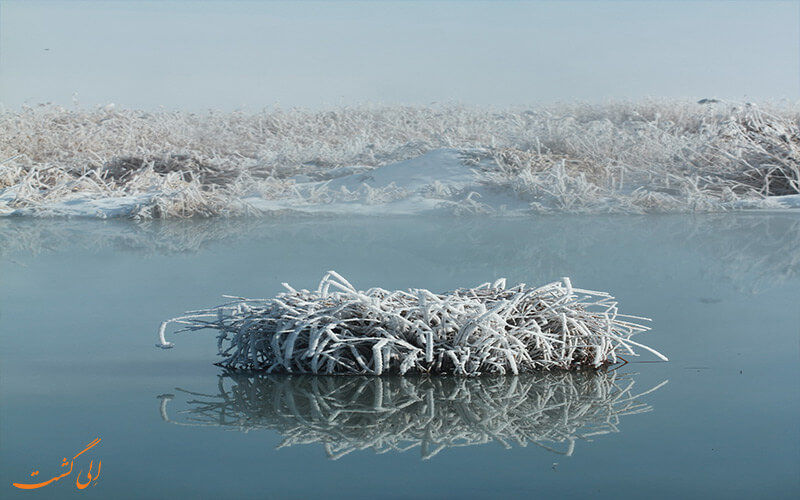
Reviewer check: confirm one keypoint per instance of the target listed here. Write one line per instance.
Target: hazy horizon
(195, 56)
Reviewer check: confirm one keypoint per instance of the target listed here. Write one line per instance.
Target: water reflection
(751, 251)
(385, 414)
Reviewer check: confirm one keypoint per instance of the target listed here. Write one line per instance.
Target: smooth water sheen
(81, 301)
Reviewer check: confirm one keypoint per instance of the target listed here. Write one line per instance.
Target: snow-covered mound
(436, 181)
(626, 158)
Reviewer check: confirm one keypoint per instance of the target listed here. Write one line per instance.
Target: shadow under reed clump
(491, 328)
(394, 414)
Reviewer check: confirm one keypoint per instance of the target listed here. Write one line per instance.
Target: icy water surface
(80, 304)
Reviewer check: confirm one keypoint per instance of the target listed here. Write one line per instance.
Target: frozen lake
(81, 301)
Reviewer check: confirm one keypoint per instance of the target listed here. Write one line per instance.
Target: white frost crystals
(491, 328)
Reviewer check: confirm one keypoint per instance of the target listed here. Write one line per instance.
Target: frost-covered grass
(655, 158)
(491, 328)
(553, 410)
(664, 156)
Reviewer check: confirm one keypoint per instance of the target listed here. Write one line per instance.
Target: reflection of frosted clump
(487, 329)
(399, 413)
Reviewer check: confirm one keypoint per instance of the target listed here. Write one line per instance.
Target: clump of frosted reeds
(491, 328)
(394, 414)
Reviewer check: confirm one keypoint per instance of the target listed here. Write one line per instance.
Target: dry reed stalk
(337, 329)
(386, 414)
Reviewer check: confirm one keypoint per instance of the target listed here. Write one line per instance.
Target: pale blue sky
(249, 55)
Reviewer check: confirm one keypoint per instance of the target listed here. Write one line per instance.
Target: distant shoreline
(665, 156)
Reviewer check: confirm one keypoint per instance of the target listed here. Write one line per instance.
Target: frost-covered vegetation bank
(658, 156)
